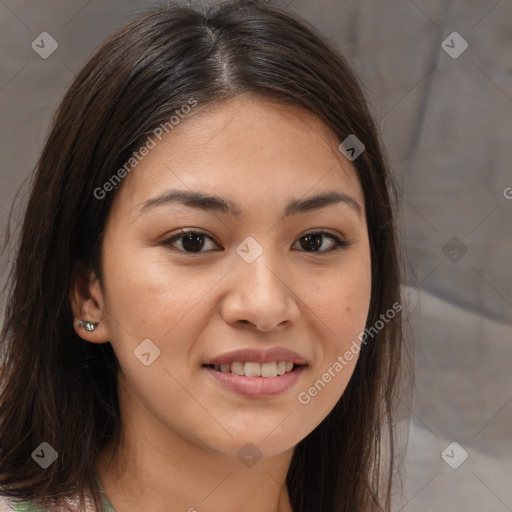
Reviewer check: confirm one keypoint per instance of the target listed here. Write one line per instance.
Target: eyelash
(339, 244)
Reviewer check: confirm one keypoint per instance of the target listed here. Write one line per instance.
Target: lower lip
(257, 387)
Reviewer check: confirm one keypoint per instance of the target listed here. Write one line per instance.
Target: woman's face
(250, 280)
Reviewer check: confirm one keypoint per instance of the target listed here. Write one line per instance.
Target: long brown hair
(58, 389)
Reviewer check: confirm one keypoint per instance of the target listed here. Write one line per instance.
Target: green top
(7, 504)
(31, 507)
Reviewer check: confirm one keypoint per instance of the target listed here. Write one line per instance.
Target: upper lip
(257, 356)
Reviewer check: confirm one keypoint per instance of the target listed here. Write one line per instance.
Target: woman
(205, 309)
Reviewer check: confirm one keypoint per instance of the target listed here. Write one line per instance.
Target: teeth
(237, 368)
(251, 369)
(269, 370)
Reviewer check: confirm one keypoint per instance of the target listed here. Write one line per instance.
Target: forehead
(247, 147)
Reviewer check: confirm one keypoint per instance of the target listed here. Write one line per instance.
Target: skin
(181, 429)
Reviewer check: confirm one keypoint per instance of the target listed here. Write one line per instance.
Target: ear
(87, 303)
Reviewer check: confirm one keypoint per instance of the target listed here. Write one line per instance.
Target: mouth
(255, 380)
(256, 373)
(251, 369)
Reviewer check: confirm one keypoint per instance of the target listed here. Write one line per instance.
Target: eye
(193, 241)
(313, 240)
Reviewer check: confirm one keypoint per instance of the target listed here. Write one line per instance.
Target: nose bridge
(260, 292)
(259, 270)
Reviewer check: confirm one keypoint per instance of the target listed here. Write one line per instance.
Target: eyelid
(321, 231)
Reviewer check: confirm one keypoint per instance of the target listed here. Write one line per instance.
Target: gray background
(447, 125)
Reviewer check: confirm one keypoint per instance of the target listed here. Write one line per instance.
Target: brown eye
(313, 242)
(191, 241)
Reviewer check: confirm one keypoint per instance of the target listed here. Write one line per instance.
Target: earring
(88, 326)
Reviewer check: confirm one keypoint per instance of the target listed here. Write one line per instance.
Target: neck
(213, 485)
(160, 467)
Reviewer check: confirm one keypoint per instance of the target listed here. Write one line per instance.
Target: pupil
(193, 242)
(316, 245)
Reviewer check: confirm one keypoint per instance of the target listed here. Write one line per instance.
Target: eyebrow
(218, 204)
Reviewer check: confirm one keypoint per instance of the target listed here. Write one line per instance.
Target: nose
(260, 295)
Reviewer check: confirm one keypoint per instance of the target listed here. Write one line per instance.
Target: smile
(260, 381)
(252, 369)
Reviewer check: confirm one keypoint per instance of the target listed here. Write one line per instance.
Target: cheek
(341, 307)
(342, 322)
(148, 298)
(342, 304)
(145, 294)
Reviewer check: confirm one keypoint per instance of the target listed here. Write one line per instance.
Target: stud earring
(88, 326)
